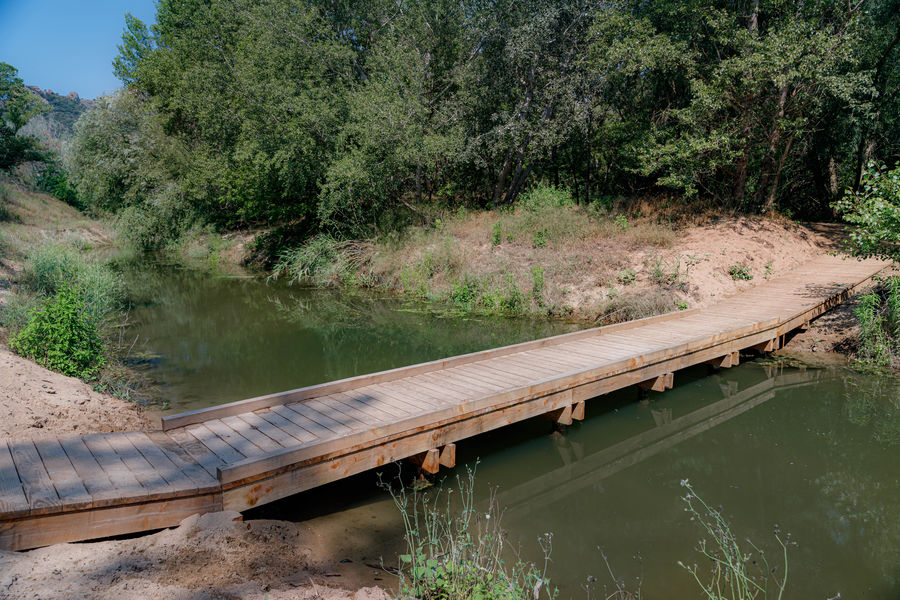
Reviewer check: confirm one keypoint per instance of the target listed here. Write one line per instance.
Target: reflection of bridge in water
(248, 453)
(579, 472)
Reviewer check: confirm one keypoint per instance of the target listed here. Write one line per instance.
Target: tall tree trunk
(768, 168)
(739, 191)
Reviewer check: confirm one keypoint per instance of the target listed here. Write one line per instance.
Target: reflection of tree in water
(875, 401)
(222, 338)
(403, 329)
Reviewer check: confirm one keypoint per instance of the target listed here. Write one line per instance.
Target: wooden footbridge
(239, 455)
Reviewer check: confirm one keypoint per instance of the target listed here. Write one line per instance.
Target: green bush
(55, 181)
(740, 271)
(159, 221)
(540, 239)
(320, 260)
(878, 315)
(873, 212)
(496, 234)
(52, 268)
(543, 197)
(62, 337)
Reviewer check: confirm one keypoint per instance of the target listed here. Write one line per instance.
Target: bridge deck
(255, 451)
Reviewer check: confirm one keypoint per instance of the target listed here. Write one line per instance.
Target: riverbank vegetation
(360, 121)
(63, 299)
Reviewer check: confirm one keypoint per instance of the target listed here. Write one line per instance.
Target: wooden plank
(12, 495)
(339, 412)
(162, 465)
(257, 437)
(92, 475)
(233, 438)
(221, 448)
(392, 399)
(123, 480)
(68, 484)
(205, 457)
(320, 431)
(34, 532)
(286, 425)
(314, 416)
(361, 409)
(281, 436)
(36, 484)
(142, 470)
(204, 481)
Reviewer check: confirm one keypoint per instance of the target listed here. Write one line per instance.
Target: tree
(873, 211)
(17, 106)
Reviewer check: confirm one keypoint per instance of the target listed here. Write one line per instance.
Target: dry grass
(576, 251)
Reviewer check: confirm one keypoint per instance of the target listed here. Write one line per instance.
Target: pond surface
(208, 340)
(811, 453)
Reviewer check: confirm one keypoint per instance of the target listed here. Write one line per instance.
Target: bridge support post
(660, 383)
(432, 460)
(732, 359)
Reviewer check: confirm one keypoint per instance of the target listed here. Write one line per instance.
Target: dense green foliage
(58, 315)
(17, 107)
(873, 211)
(354, 117)
(52, 268)
(61, 336)
(878, 314)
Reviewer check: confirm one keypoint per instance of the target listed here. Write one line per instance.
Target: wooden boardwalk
(251, 452)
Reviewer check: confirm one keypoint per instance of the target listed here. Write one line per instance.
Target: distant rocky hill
(57, 124)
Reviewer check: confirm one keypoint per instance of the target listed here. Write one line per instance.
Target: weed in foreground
(735, 573)
(456, 551)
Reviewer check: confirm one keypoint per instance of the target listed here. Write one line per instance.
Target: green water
(209, 340)
(814, 454)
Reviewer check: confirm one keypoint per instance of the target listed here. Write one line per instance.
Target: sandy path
(36, 402)
(207, 557)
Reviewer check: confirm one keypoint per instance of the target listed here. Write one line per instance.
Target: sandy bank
(214, 556)
(36, 402)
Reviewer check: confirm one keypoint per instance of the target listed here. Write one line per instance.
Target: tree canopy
(17, 107)
(345, 114)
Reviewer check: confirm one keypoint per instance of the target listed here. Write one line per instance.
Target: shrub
(318, 255)
(622, 223)
(543, 197)
(54, 180)
(62, 337)
(626, 277)
(873, 212)
(740, 271)
(540, 239)
(461, 554)
(878, 315)
(537, 285)
(496, 234)
(52, 268)
(157, 222)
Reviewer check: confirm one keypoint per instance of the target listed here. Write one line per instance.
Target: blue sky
(67, 45)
